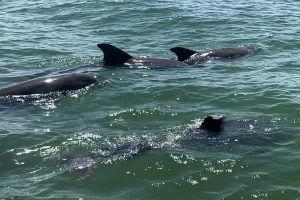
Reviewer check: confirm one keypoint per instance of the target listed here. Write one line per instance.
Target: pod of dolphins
(115, 58)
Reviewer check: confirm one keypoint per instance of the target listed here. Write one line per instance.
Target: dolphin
(60, 83)
(192, 57)
(213, 130)
(114, 56)
(84, 165)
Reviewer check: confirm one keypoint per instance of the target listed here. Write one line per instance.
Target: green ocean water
(38, 36)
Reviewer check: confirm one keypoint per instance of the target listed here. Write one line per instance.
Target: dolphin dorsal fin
(113, 55)
(182, 53)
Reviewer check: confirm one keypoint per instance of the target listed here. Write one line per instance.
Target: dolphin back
(67, 82)
(192, 57)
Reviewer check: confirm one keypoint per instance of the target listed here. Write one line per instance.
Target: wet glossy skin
(114, 56)
(46, 85)
(191, 57)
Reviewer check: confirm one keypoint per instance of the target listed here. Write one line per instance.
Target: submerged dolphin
(84, 165)
(61, 83)
(114, 56)
(191, 57)
(214, 130)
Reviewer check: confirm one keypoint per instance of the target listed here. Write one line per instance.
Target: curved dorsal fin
(182, 53)
(113, 55)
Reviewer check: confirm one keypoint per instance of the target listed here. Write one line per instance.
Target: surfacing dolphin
(214, 130)
(84, 165)
(60, 83)
(114, 56)
(192, 57)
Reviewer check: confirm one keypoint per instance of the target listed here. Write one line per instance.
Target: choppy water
(37, 36)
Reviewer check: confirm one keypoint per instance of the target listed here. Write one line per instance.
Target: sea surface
(260, 92)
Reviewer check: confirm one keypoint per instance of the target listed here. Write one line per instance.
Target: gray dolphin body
(61, 83)
(114, 56)
(191, 57)
(214, 130)
(84, 165)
